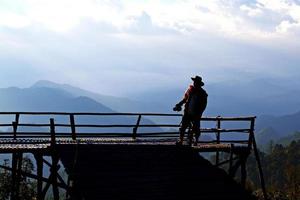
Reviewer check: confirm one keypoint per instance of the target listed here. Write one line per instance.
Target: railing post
(251, 133)
(73, 128)
(134, 133)
(52, 132)
(15, 127)
(17, 117)
(218, 138)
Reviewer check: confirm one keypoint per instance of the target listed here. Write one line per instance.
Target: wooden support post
(52, 132)
(47, 186)
(71, 191)
(39, 166)
(73, 128)
(18, 174)
(261, 175)
(231, 158)
(234, 168)
(134, 133)
(243, 170)
(54, 171)
(54, 167)
(13, 176)
(218, 139)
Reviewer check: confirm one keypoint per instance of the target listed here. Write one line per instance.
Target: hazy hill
(265, 135)
(283, 125)
(119, 104)
(288, 139)
(234, 98)
(281, 129)
(57, 100)
(47, 99)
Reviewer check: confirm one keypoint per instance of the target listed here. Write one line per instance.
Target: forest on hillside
(281, 167)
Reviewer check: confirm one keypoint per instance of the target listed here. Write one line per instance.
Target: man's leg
(196, 130)
(184, 124)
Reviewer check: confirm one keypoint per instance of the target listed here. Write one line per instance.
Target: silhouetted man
(195, 100)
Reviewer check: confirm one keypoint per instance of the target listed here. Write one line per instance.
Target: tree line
(281, 167)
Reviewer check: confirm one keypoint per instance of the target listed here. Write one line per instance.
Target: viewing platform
(128, 155)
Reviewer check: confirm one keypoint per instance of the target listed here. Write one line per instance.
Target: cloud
(232, 18)
(101, 44)
(252, 12)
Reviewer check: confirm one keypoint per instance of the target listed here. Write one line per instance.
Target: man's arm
(185, 96)
(183, 101)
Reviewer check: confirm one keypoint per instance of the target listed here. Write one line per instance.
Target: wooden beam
(18, 174)
(261, 174)
(134, 133)
(13, 174)
(33, 176)
(39, 166)
(54, 171)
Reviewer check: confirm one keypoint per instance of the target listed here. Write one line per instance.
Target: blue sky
(112, 46)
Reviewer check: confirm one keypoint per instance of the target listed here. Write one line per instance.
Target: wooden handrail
(83, 128)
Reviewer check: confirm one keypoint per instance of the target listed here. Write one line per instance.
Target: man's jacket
(195, 100)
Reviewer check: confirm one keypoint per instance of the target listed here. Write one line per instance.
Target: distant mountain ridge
(50, 96)
(234, 98)
(283, 125)
(120, 104)
(279, 129)
(46, 99)
(288, 139)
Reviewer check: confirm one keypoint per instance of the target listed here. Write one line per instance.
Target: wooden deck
(32, 145)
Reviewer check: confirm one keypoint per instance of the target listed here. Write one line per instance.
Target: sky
(121, 47)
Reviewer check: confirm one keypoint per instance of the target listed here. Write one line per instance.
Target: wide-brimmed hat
(198, 79)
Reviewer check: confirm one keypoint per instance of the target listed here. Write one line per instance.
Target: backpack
(197, 102)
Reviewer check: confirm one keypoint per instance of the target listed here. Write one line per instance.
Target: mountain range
(234, 98)
(48, 99)
(225, 99)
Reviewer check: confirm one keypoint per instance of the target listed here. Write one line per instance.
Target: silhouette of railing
(72, 126)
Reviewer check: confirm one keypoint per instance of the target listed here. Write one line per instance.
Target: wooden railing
(15, 129)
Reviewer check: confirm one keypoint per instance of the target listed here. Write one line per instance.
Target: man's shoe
(179, 142)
